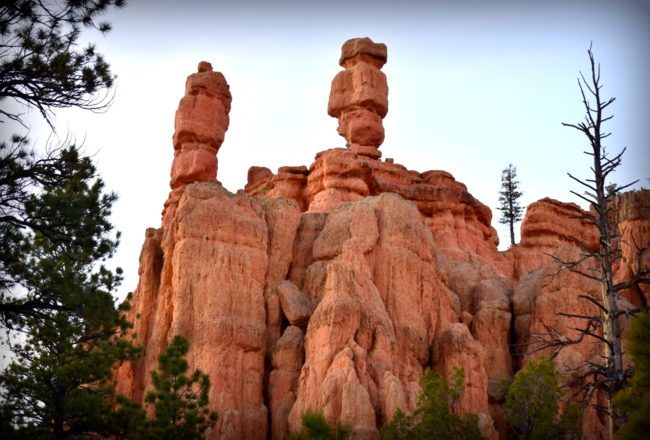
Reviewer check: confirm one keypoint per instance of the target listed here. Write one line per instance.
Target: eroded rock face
(380, 307)
(549, 292)
(633, 216)
(207, 284)
(204, 272)
(460, 223)
(456, 348)
(547, 225)
(287, 360)
(282, 219)
(200, 126)
(332, 287)
(359, 96)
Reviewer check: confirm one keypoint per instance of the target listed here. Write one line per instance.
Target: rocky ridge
(333, 287)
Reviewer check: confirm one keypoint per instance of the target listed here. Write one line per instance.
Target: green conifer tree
(41, 63)
(56, 297)
(634, 400)
(42, 66)
(316, 427)
(511, 210)
(435, 415)
(179, 403)
(532, 404)
(60, 378)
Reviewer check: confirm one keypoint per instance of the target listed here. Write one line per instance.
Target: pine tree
(634, 400)
(57, 384)
(42, 66)
(316, 427)
(435, 415)
(511, 210)
(52, 207)
(532, 404)
(180, 402)
(56, 297)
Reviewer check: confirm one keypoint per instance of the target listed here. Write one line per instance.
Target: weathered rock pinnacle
(201, 123)
(332, 287)
(359, 96)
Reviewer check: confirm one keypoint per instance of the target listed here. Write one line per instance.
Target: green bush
(435, 415)
(634, 401)
(315, 427)
(180, 402)
(532, 404)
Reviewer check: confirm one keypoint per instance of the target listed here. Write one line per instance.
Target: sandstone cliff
(333, 287)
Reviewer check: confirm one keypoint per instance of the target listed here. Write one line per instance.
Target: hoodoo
(333, 287)
(359, 96)
(200, 126)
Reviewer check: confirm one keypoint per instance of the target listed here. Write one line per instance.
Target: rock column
(200, 126)
(359, 96)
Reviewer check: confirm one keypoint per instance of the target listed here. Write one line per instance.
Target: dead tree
(608, 373)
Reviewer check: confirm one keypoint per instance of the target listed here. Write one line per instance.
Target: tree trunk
(59, 416)
(512, 216)
(611, 327)
(613, 354)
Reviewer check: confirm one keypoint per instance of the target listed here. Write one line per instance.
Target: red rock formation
(459, 222)
(287, 361)
(380, 307)
(557, 291)
(359, 96)
(547, 225)
(203, 277)
(201, 123)
(282, 220)
(203, 274)
(633, 217)
(551, 228)
(296, 306)
(333, 287)
(456, 348)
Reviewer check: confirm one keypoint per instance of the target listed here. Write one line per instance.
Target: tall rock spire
(359, 96)
(200, 126)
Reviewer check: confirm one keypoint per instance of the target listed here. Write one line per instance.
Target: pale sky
(472, 87)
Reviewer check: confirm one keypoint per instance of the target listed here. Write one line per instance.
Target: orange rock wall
(333, 287)
(210, 288)
(633, 216)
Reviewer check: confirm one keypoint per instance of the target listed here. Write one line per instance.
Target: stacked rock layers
(332, 288)
(201, 123)
(359, 96)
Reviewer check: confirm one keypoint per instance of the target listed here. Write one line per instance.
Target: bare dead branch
(581, 182)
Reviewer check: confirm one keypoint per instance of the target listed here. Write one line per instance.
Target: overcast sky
(472, 87)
